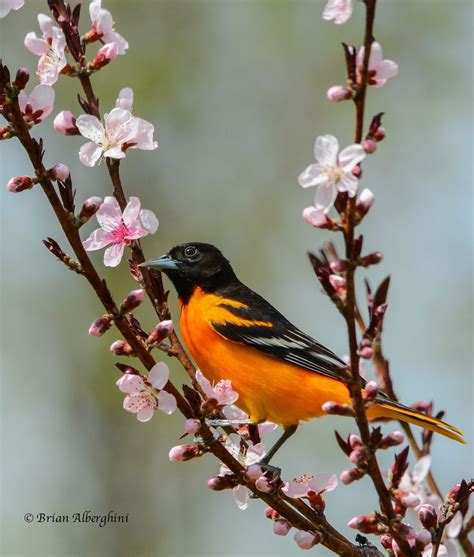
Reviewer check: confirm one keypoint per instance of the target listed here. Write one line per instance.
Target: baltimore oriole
(280, 373)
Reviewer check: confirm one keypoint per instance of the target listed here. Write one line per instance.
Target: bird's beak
(163, 263)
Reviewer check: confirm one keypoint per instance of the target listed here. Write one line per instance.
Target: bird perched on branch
(280, 373)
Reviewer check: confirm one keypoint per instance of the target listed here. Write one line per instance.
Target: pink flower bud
(406, 531)
(364, 202)
(386, 541)
(59, 172)
(180, 453)
(21, 79)
(339, 266)
(367, 524)
(19, 183)
(338, 93)
(160, 332)
(371, 391)
(90, 207)
(349, 476)
(132, 301)
(106, 54)
(392, 439)
(65, 123)
(306, 540)
(410, 500)
(331, 407)
(371, 259)
(338, 283)
(253, 472)
(192, 426)
(357, 171)
(100, 326)
(369, 146)
(316, 218)
(427, 516)
(121, 348)
(355, 441)
(281, 527)
(366, 352)
(217, 483)
(358, 456)
(262, 484)
(423, 538)
(379, 133)
(271, 513)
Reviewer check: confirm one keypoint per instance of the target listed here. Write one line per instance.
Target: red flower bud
(21, 79)
(379, 133)
(349, 476)
(367, 524)
(217, 483)
(371, 390)
(358, 456)
(331, 407)
(371, 259)
(20, 183)
(392, 440)
(386, 541)
(369, 146)
(106, 54)
(132, 301)
(160, 332)
(427, 516)
(90, 207)
(121, 348)
(100, 326)
(181, 453)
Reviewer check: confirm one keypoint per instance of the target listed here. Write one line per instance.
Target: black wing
(282, 340)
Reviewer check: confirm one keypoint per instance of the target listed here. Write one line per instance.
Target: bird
(280, 373)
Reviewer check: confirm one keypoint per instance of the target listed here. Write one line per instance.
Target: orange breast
(269, 389)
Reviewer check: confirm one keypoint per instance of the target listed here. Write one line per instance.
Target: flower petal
(325, 197)
(125, 99)
(265, 428)
(158, 375)
(348, 183)
(338, 10)
(130, 383)
(97, 240)
(232, 412)
(46, 25)
(145, 414)
(148, 221)
(455, 526)
(313, 175)
(91, 128)
(241, 496)
(326, 148)
(205, 384)
(131, 211)
(42, 98)
(109, 215)
(35, 44)
(255, 453)
(166, 402)
(387, 69)
(323, 482)
(295, 489)
(421, 469)
(351, 156)
(89, 154)
(113, 255)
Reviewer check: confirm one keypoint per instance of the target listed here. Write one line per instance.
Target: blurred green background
(237, 91)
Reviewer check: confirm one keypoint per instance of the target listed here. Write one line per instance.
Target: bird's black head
(193, 265)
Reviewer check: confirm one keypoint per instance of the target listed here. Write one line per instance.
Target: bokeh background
(237, 90)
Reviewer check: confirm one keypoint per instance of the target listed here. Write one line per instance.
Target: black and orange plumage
(281, 374)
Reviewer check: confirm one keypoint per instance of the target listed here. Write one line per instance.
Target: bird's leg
(287, 433)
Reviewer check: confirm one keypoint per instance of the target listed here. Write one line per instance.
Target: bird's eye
(190, 251)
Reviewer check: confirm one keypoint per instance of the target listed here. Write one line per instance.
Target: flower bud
(217, 483)
(90, 208)
(253, 472)
(349, 476)
(367, 524)
(180, 453)
(366, 352)
(121, 348)
(316, 218)
(355, 441)
(281, 527)
(371, 259)
(106, 54)
(386, 541)
(339, 266)
(406, 531)
(410, 500)
(392, 439)
(306, 540)
(364, 202)
(271, 514)
(160, 332)
(358, 456)
(263, 485)
(132, 301)
(19, 183)
(357, 171)
(379, 133)
(339, 284)
(427, 516)
(5, 132)
(65, 123)
(21, 79)
(192, 425)
(100, 326)
(59, 172)
(371, 391)
(339, 93)
(369, 146)
(423, 538)
(337, 409)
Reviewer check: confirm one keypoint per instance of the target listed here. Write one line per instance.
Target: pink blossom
(145, 396)
(65, 123)
(249, 457)
(414, 484)
(50, 48)
(7, 5)
(338, 283)
(121, 131)
(380, 70)
(120, 229)
(303, 485)
(38, 105)
(332, 172)
(338, 10)
(106, 54)
(339, 93)
(455, 526)
(231, 412)
(315, 217)
(306, 540)
(103, 26)
(221, 392)
(446, 549)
